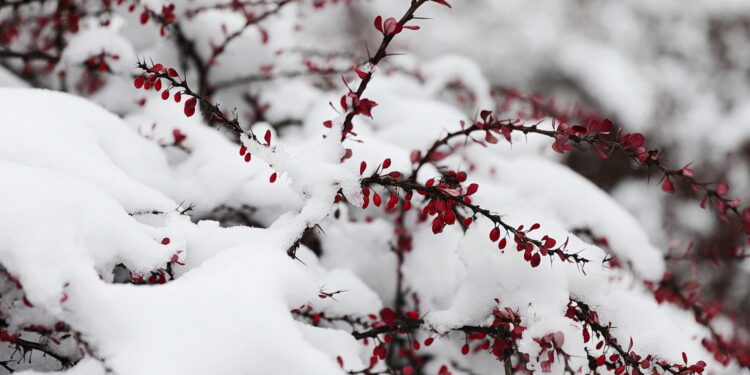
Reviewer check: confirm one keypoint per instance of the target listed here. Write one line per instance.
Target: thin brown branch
(433, 191)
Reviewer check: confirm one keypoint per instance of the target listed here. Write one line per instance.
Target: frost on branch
(242, 200)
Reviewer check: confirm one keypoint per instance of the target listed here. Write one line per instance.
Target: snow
(228, 309)
(188, 320)
(87, 366)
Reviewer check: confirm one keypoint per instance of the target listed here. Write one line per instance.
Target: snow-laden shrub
(233, 188)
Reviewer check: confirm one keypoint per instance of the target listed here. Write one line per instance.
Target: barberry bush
(326, 187)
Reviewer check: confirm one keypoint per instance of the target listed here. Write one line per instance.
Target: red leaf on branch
(633, 140)
(379, 23)
(746, 220)
(722, 188)
(442, 2)
(189, 110)
(178, 136)
(392, 27)
(365, 107)
(361, 74)
(387, 316)
(415, 156)
(667, 185)
(494, 234)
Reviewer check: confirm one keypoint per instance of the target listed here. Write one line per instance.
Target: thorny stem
(233, 5)
(251, 20)
(18, 3)
(375, 59)
(186, 48)
(428, 156)
(352, 321)
(414, 324)
(434, 191)
(400, 297)
(698, 314)
(683, 301)
(211, 108)
(30, 55)
(30, 345)
(590, 140)
(585, 315)
(272, 76)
